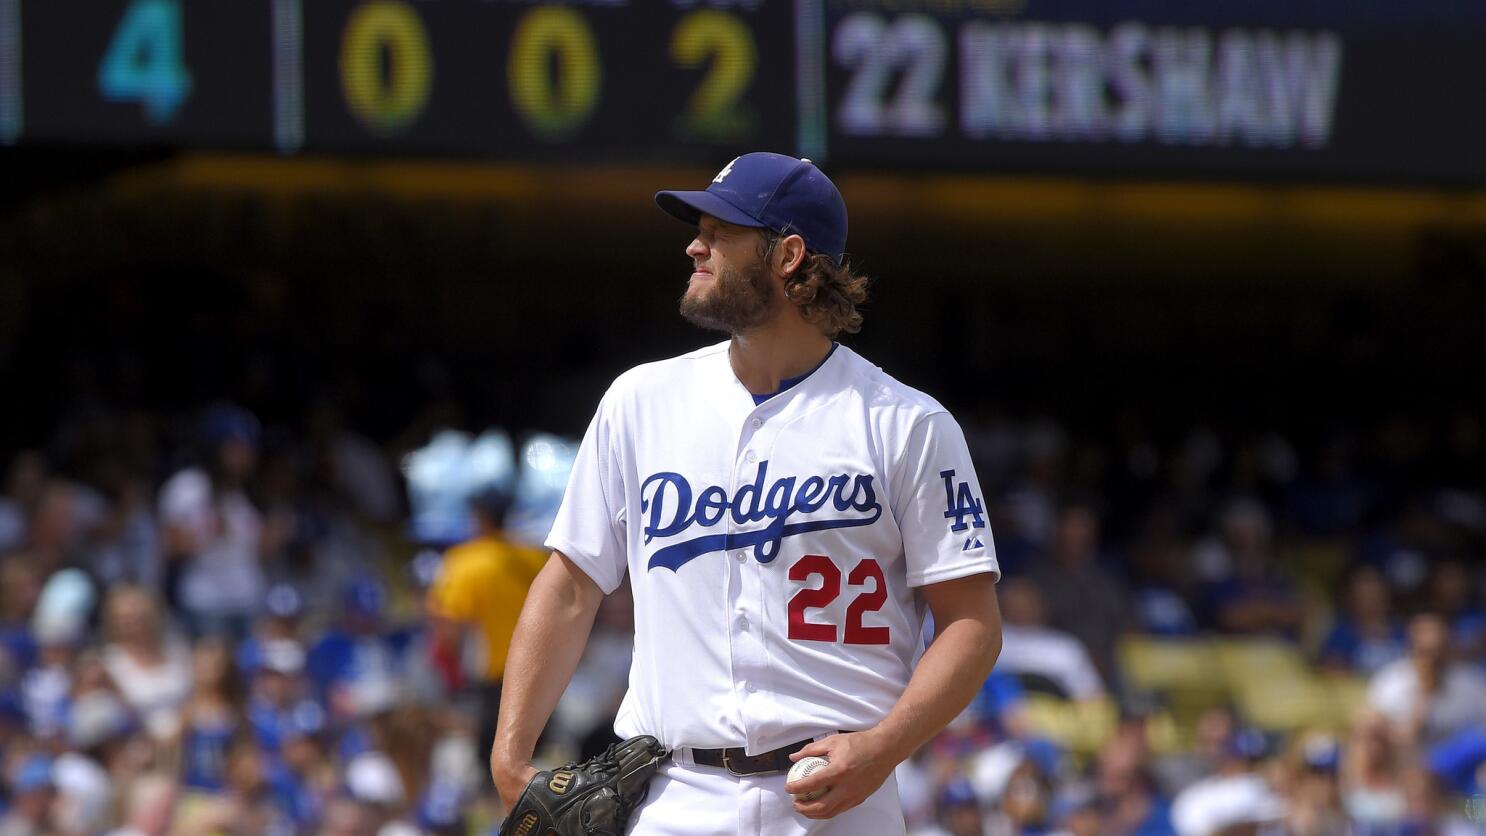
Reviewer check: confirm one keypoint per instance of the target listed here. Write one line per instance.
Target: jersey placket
(751, 663)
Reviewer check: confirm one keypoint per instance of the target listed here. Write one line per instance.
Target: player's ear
(789, 254)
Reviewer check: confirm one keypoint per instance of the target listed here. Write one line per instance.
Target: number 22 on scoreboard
(143, 62)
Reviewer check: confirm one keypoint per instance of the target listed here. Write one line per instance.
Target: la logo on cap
(726, 170)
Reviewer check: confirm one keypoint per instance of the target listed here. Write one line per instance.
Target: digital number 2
(819, 597)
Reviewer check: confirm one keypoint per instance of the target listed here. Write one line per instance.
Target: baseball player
(786, 513)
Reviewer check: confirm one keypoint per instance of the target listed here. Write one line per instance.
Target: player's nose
(696, 249)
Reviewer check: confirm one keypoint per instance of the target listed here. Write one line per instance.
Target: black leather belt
(738, 763)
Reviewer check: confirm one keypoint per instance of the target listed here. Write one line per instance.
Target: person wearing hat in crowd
(958, 812)
(59, 625)
(356, 665)
(477, 594)
(278, 704)
(1314, 789)
(214, 534)
(32, 789)
(283, 607)
(1235, 800)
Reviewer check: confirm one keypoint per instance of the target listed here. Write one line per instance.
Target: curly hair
(829, 296)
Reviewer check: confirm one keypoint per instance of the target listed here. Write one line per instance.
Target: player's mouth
(699, 273)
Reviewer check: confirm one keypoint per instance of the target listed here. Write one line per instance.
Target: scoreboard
(1336, 89)
(470, 77)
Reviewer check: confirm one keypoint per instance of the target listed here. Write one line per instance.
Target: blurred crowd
(212, 626)
(1226, 633)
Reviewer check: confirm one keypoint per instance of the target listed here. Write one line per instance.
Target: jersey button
(749, 687)
(740, 556)
(757, 422)
(742, 625)
(750, 457)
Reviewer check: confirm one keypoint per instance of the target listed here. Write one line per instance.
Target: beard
(739, 299)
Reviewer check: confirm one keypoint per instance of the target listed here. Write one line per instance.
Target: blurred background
(304, 305)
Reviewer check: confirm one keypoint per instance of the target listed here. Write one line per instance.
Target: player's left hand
(859, 763)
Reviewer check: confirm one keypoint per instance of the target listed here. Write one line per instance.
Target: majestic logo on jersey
(670, 508)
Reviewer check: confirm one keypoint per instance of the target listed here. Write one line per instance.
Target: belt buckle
(727, 764)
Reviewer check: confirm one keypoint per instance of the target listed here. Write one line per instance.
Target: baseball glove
(593, 798)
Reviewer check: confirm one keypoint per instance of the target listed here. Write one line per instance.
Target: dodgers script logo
(666, 500)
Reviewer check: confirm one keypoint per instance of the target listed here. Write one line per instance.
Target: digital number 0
(386, 99)
(554, 110)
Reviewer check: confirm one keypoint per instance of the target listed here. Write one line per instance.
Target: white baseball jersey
(774, 550)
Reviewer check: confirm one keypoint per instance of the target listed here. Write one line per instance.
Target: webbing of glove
(594, 798)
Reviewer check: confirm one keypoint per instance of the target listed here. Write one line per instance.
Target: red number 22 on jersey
(865, 573)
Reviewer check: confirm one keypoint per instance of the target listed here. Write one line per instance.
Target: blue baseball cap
(770, 191)
(34, 774)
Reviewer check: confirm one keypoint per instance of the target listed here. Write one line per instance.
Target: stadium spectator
(125, 546)
(1235, 799)
(1124, 788)
(24, 479)
(958, 812)
(1452, 594)
(32, 790)
(1365, 636)
(1159, 599)
(1008, 778)
(355, 665)
(1082, 597)
(1031, 501)
(1212, 734)
(150, 667)
(246, 805)
(1245, 593)
(210, 718)
(283, 607)
(1313, 789)
(279, 707)
(478, 593)
(20, 589)
(214, 534)
(1372, 794)
(1042, 658)
(1429, 809)
(1429, 696)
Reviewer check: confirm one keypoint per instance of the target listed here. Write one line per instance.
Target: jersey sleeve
(589, 527)
(939, 506)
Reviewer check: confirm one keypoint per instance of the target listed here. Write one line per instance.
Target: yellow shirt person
(483, 583)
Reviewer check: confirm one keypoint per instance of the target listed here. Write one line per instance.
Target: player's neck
(779, 350)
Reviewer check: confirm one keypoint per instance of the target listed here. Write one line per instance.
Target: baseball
(803, 767)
